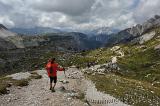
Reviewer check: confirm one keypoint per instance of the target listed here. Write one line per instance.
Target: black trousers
(53, 79)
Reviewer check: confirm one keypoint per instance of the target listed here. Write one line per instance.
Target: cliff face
(73, 41)
(138, 33)
(4, 43)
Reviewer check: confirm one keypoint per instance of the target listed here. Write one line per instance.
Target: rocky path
(37, 93)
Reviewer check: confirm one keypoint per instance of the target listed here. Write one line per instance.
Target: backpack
(50, 69)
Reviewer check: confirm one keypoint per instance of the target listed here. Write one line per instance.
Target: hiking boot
(52, 90)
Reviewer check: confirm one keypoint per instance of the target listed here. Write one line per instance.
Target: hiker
(52, 67)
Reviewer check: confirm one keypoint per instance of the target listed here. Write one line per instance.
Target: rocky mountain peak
(2, 27)
(157, 17)
(139, 29)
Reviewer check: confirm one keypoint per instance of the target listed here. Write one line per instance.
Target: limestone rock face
(140, 29)
(138, 34)
(4, 43)
(146, 37)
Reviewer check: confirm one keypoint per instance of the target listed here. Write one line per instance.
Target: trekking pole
(65, 72)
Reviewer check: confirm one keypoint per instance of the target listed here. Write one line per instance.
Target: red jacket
(55, 68)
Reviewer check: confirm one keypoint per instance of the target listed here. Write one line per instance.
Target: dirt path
(37, 93)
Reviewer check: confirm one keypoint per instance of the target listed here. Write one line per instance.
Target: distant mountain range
(95, 38)
(60, 40)
(44, 30)
(103, 31)
(35, 30)
(100, 35)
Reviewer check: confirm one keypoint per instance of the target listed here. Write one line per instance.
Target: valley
(124, 65)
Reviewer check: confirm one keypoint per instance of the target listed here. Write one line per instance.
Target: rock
(47, 99)
(142, 47)
(64, 81)
(72, 94)
(62, 88)
(93, 73)
(156, 83)
(9, 84)
(101, 73)
(85, 104)
(9, 100)
(152, 91)
(157, 47)
(100, 70)
(69, 99)
(114, 59)
(15, 99)
(72, 66)
(115, 48)
(20, 75)
(74, 73)
(146, 37)
(156, 16)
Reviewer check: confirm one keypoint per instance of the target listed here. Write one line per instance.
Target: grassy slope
(142, 62)
(140, 68)
(99, 56)
(130, 91)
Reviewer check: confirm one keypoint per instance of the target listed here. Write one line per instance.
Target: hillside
(131, 69)
(22, 53)
(35, 30)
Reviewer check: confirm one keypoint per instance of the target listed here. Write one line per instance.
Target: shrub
(3, 89)
(21, 83)
(35, 75)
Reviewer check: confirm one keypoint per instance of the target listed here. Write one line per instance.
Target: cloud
(6, 21)
(70, 7)
(146, 9)
(77, 14)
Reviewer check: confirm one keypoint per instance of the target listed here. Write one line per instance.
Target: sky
(76, 14)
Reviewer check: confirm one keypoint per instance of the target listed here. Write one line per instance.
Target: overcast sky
(77, 14)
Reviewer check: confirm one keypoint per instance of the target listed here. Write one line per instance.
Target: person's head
(49, 60)
(53, 60)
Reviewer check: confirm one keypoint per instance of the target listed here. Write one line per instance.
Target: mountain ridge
(134, 33)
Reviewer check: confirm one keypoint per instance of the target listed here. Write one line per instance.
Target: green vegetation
(98, 56)
(139, 65)
(8, 81)
(130, 91)
(29, 61)
(21, 83)
(3, 89)
(3, 85)
(35, 75)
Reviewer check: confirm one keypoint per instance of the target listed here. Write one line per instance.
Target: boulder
(64, 81)
(157, 47)
(62, 88)
(115, 48)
